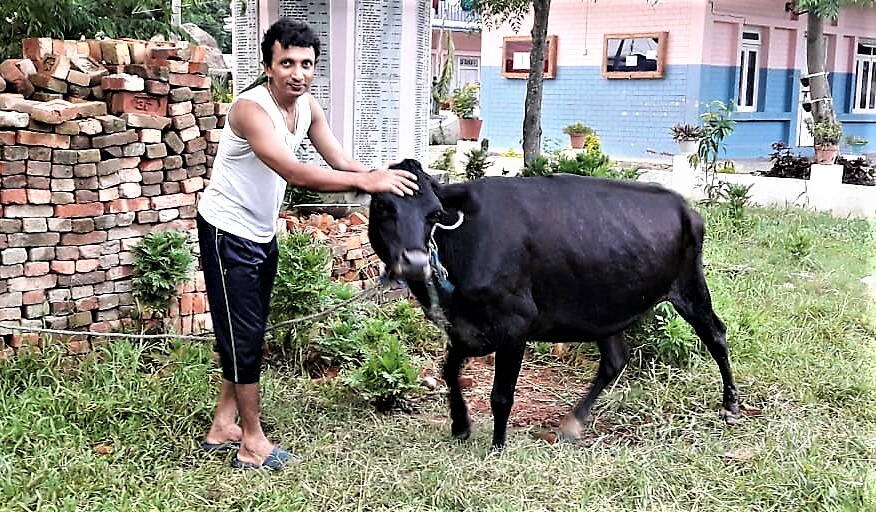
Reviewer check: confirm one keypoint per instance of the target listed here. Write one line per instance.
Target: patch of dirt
(544, 394)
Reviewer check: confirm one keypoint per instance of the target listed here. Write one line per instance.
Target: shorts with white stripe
(239, 275)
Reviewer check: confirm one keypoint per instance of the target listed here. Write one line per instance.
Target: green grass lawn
(118, 430)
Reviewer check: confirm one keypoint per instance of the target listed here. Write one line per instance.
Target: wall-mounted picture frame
(634, 55)
(515, 57)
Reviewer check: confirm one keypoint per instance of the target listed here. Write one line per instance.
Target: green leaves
(387, 375)
(74, 19)
(162, 260)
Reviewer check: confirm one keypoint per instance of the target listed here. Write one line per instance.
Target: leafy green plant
(683, 132)
(220, 89)
(799, 244)
(541, 166)
(210, 16)
(387, 376)
(577, 129)
(584, 163)
(72, 19)
(299, 195)
(464, 100)
(738, 197)
(162, 261)
(413, 327)
(301, 284)
(664, 336)
(445, 162)
(441, 84)
(478, 161)
(717, 126)
(825, 133)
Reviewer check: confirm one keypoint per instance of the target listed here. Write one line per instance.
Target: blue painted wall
(842, 87)
(634, 116)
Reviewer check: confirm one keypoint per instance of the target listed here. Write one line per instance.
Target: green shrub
(476, 166)
(799, 244)
(464, 101)
(445, 162)
(387, 376)
(220, 89)
(302, 282)
(413, 327)
(162, 261)
(577, 128)
(541, 166)
(664, 336)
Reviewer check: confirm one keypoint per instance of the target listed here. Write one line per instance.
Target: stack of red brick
(79, 187)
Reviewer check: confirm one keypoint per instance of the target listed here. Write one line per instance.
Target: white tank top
(245, 195)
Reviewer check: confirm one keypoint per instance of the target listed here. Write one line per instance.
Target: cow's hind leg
(691, 299)
(460, 425)
(613, 356)
(509, 357)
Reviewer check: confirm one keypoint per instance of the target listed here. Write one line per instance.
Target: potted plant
(827, 135)
(686, 135)
(577, 133)
(857, 143)
(465, 100)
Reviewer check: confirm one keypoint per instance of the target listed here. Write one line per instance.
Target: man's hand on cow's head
(395, 181)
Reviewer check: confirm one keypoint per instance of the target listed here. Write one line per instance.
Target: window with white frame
(749, 66)
(468, 70)
(865, 77)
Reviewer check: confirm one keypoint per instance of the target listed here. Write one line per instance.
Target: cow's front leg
(461, 422)
(509, 357)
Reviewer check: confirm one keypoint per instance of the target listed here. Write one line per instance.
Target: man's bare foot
(255, 450)
(230, 433)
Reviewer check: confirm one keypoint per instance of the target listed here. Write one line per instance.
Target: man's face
(291, 69)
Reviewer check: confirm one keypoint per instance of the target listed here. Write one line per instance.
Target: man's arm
(250, 121)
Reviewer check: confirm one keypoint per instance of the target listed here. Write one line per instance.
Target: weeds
(118, 429)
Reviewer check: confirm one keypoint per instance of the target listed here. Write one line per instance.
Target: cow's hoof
(570, 429)
(730, 416)
(460, 433)
(497, 449)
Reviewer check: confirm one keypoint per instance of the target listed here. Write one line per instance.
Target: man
(237, 214)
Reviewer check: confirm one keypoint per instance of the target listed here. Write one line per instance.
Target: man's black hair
(288, 32)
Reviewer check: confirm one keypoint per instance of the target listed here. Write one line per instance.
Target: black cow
(561, 259)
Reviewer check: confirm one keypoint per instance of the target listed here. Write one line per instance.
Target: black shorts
(239, 275)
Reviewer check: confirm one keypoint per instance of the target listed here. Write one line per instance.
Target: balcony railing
(452, 11)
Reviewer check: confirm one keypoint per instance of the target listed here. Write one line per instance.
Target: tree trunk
(535, 84)
(819, 86)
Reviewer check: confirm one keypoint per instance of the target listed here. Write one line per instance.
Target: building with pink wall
(454, 19)
(750, 53)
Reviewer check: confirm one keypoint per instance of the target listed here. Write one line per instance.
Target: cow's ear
(457, 197)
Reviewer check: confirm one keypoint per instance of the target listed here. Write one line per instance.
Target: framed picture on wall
(640, 55)
(515, 57)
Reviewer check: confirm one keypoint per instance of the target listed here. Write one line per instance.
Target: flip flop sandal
(276, 461)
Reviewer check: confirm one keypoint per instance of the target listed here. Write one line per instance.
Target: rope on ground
(365, 294)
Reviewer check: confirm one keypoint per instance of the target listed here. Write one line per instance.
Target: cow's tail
(694, 233)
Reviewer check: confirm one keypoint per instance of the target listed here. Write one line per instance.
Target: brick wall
(102, 142)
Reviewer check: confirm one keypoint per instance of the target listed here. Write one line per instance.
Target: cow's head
(399, 227)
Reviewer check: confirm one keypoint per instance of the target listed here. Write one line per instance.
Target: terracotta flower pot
(577, 140)
(469, 129)
(826, 154)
